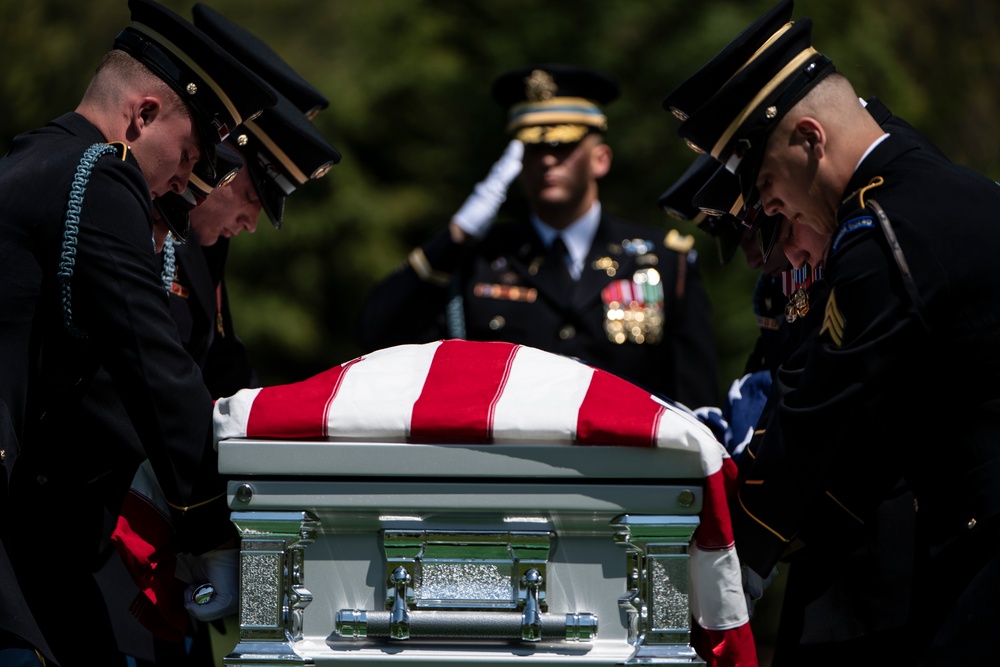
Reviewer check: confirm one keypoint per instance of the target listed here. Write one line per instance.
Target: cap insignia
(242, 140)
(771, 112)
(321, 171)
(191, 89)
(540, 86)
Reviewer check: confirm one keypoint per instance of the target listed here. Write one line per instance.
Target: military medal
(633, 308)
(795, 284)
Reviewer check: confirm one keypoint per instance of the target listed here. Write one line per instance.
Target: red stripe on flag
(296, 410)
(460, 392)
(715, 532)
(616, 412)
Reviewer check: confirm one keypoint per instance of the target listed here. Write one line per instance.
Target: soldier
(622, 297)
(909, 309)
(82, 291)
(262, 162)
(282, 151)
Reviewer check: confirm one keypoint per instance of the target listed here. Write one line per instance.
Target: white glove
(754, 586)
(220, 569)
(480, 208)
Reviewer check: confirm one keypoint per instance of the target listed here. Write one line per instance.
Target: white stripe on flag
(231, 414)
(376, 395)
(542, 397)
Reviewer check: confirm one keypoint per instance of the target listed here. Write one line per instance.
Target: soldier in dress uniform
(910, 309)
(82, 290)
(264, 161)
(571, 279)
(282, 151)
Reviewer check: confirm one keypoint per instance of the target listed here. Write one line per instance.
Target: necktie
(559, 259)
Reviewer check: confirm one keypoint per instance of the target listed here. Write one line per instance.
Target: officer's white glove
(480, 208)
(754, 586)
(214, 591)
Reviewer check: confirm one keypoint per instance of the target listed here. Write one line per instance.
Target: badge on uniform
(505, 292)
(633, 308)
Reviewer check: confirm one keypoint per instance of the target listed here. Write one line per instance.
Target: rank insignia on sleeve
(833, 321)
(633, 308)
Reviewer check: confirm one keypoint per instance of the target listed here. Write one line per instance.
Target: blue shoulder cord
(67, 259)
(169, 261)
(455, 310)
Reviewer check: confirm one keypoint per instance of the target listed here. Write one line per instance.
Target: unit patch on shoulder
(848, 227)
(833, 320)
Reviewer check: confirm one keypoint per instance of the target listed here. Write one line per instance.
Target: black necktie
(559, 258)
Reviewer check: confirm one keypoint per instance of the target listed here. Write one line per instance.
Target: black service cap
(283, 150)
(678, 202)
(261, 58)
(734, 124)
(220, 92)
(687, 97)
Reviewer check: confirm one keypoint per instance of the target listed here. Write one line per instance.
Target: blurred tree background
(409, 84)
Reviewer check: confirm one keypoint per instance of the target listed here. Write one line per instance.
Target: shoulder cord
(71, 230)
(904, 268)
(455, 309)
(169, 261)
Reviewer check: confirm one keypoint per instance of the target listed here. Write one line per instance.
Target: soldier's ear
(144, 111)
(813, 135)
(600, 160)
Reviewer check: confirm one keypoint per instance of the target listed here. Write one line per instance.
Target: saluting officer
(883, 390)
(83, 290)
(571, 278)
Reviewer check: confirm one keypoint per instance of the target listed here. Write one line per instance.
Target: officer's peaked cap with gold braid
(554, 103)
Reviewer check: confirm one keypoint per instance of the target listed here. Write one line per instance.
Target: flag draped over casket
(466, 392)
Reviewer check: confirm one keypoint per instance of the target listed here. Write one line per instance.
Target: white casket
(395, 510)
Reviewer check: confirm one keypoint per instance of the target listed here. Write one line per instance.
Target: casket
(521, 533)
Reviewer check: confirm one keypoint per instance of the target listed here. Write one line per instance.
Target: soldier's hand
(214, 591)
(754, 586)
(480, 208)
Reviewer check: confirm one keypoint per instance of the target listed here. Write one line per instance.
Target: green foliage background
(410, 110)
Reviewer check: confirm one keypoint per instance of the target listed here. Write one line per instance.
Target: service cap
(256, 54)
(283, 149)
(687, 97)
(220, 91)
(554, 103)
(733, 125)
(678, 202)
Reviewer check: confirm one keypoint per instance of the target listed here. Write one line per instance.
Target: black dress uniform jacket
(506, 291)
(199, 304)
(104, 282)
(901, 381)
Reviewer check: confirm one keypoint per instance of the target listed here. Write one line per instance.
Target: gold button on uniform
(567, 332)
(497, 323)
